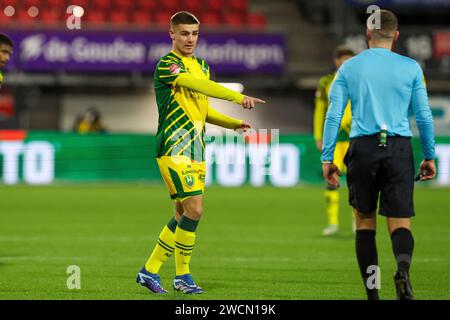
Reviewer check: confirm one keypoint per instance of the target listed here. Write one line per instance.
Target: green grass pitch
(252, 243)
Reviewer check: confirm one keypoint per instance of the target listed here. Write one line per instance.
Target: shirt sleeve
(207, 87)
(221, 120)
(423, 116)
(338, 100)
(346, 122)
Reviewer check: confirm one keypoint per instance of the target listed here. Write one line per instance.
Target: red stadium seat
(235, 20)
(147, 5)
(211, 19)
(124, 5)
(238, 6)
(214, 6)
(56, 3)
(119, 17)
(163, 18)
(100, 5)
(95, 17)
(9, 3)
(171, 6)
(5, 20)
(24, 18)
(141, 18)
(51, 16)
(36, 3)
(81, 3)
(257, 20)
(193, 6)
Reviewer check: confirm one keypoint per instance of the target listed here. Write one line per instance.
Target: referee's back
(384, 88)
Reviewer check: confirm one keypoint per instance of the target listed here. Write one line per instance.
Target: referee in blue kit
(383, 88)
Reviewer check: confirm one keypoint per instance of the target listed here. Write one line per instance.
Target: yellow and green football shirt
(182, 111)
(321, 108)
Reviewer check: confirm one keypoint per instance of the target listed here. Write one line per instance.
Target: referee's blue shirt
(383, 88)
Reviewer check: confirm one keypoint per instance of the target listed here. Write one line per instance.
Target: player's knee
(196, 212)
(193, 207)
(193, 212)
(398, 223)
(365, 220)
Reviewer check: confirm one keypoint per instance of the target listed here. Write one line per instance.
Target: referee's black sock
(403, 246)
(366, 253)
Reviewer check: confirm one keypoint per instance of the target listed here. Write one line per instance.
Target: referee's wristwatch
(327, 161)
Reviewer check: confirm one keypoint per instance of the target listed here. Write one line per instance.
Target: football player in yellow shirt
(182, 88)
(6, 52)
(340, 55)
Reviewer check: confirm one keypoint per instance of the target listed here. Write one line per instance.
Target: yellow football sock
(332, 203)
(163, 249)
(184, 243)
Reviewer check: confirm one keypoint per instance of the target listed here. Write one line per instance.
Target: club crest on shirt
(175, 69)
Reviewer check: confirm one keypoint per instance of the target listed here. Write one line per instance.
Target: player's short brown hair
(183, 17)
(341, 51)
(4, 39)
(388, 24)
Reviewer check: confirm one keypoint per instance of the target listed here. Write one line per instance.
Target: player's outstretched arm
(221, 120)
(214, 90)
(208, 88)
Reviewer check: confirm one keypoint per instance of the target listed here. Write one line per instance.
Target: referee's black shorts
(386, 172)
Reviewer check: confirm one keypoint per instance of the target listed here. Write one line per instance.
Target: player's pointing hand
(249, 102)
(244, 127)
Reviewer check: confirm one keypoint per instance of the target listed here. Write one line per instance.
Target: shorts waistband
(375, 136)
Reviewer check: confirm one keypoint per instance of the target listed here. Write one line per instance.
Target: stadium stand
(135, 13)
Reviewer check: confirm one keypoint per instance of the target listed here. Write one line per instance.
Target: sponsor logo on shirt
(175, 69)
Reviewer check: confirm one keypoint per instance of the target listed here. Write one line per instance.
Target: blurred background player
(340, 55)
(182, 88)
(6, 51)
(90, 121)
